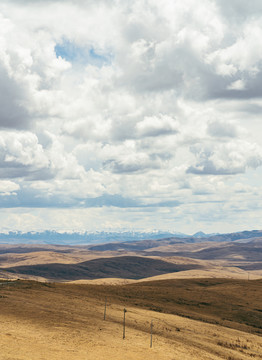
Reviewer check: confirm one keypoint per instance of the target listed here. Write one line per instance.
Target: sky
(141, 115)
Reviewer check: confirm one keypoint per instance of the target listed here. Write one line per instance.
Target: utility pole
(105, 308)
(151, 334)
(124, 324)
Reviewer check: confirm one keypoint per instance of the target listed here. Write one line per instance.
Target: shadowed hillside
(251, 251)
(123, 267)
(154, 258)
(27, 249)
(207, 250)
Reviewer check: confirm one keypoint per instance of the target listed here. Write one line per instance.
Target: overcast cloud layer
(135, 114)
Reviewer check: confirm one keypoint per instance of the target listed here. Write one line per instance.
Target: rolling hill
(134, 260)
(123, 267)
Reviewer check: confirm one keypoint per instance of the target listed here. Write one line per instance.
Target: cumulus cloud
(237, 85)
(157, 126)
(20, 154)
(8, 188)
(130, 107)
(226, 159)
(222, 129)
(127, 158)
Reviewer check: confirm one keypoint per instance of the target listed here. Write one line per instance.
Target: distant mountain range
(84, 238)
(77, 238)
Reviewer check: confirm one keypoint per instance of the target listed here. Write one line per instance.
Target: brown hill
(206, 250)
(251, 251)
(63, 263)
(124, 267)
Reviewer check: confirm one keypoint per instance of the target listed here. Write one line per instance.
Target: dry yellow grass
(210, 272)
(40, 322)
(24, 340)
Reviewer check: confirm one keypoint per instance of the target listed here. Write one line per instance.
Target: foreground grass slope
(232, 303)
(220, 320)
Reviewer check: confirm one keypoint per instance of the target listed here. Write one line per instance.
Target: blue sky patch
(81, 55)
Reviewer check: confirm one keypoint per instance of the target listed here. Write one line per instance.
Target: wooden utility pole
(151, 334)
(124, 324)
(105, 308)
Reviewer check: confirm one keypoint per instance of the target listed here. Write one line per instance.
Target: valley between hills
(203, 297)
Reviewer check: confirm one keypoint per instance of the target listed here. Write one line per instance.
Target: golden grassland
(192, 319)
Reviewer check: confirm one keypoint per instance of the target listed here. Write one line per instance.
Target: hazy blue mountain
(103, 237)
(76, 238)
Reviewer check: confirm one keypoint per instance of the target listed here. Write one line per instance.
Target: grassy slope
(232, 303)
(66, 320)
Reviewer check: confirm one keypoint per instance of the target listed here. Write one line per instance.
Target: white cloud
(155, 126)
(22, 148)
(8, 188)
(222, 129)
(237, 85)
(132, 100)
(229, 158)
